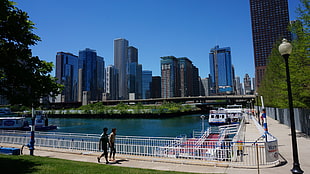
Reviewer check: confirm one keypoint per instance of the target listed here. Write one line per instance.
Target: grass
(25, 164)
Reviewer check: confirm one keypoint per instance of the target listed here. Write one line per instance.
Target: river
(164, 127)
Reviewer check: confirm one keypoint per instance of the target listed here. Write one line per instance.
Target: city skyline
(178, 28)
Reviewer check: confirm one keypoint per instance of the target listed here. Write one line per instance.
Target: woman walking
(112, 144)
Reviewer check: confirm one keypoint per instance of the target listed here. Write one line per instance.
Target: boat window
(217, 116)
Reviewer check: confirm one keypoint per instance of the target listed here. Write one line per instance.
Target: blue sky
(180, 28)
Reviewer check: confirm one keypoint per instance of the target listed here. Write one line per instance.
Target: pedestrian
(103, 145)
(112, 144)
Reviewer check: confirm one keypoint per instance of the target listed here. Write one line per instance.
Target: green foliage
(274, 86)
(166, 107)
(24, 79)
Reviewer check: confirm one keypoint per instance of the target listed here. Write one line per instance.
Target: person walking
(103, 145)
(112, 144)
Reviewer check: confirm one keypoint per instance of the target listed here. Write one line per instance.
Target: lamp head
(285, 47)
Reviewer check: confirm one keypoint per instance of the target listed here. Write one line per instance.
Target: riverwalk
(280, 131)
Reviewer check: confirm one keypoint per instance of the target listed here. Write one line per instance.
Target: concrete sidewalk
(280, 131)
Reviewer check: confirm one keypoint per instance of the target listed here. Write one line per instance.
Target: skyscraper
(89, 62)
(121, 64)
(132, 54)
(111, 84)
(134, 73)
(186, 80)
(247, 84)
(169, 77)
(179, 77)
(100, 76)
(156, 87)
(67, 75)
(221, 73)
(270, 20)
(146, 84)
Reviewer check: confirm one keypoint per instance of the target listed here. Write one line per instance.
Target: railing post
(257, 158)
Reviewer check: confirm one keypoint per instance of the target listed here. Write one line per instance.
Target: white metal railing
(230, 152)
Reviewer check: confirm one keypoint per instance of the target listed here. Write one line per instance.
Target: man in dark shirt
(103, 145)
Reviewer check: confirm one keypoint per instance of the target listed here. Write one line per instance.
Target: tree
(273, 85)
(24, 79)
(300, 57)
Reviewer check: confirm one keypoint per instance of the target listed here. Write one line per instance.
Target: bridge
(200, 101)
(223, 99)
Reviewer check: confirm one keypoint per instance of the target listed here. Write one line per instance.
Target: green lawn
(23, 164)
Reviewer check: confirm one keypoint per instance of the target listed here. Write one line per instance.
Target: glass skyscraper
(270, 20)
(67, 75)
(146, 84)
(221, 75)
(92, 73)
(134, 73)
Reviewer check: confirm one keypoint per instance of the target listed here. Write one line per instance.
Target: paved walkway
(278, 130)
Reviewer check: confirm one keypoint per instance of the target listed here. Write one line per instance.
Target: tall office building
(67, 75)
(156, 87)
(270, 20)
(238, 85)
(205, 87)
(121, 64)
(196, 82)
(100, 76)
(146, 84)
(132, 54)
(111, 83)
(247, 84)
(179, 77)
(92, 73)
(169, 77)
(186, 72)
(221, 72)
(134, 75)
(189, 78)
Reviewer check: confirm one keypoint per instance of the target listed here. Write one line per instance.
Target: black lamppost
(285, 49)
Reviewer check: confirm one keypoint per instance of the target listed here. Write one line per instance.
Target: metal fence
(216, 151)
(302, 117)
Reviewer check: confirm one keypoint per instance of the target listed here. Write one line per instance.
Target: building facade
(247, 85)
(221, 73)
(169, 77)
(146, 84)
(92, 71)
(111, 83)
(270, 20)
(156, 87)
(179, 77)
(67, 75)
(121, 64)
